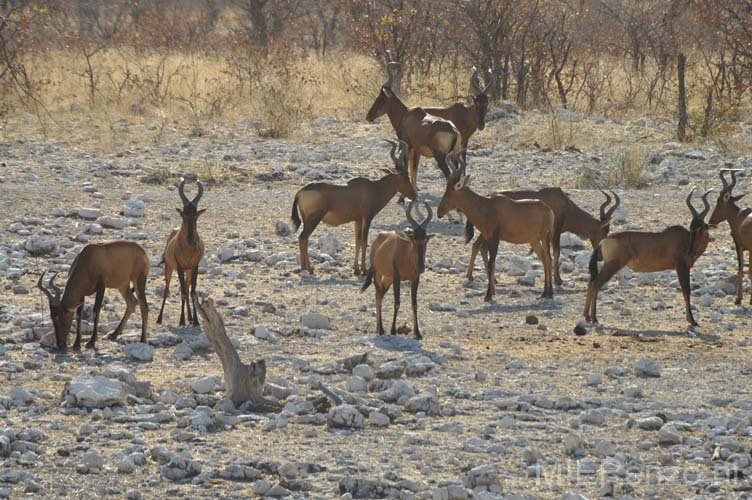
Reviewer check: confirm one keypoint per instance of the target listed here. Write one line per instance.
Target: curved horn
(689, 202)
(474, 81)
(707, 205)
(428, 216)
(41, 287)
(403, 152)
(449, 163)
(181, 191)
(723, 179)
(489, 79)
(606, 203)
(394, 148)
(390, 67)
(617, 202)
(409, 216)
(52, 285)
(199, 195)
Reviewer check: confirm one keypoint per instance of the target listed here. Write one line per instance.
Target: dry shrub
(628, 172)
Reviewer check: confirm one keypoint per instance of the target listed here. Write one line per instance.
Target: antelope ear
(429, 236)
(606, 222)
(200, 212)
(738, 197)
(466, 181)
(386, 170)
(179, 211)
(712, 227)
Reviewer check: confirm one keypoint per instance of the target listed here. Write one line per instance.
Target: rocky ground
(486, 406)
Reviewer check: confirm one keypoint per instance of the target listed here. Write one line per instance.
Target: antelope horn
(181, 187)
(707, 205)
(474, 81)
(410, 217)
(723, 179)
(428, 216)
(41, 287)
(390, 67)
(489, 80)
(52, 285)
(617, 202)
(199, 195)
(689, 202)
(449, 163)
(606, 203)
(394, 148)
(403, 152)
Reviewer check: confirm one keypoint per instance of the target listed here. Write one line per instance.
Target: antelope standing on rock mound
(647, 252)
(359, 201)
(500, 218)
(466, 118)
(397, 257)
(119, 264)
(425, 134)
(183, 252)
(740, 222)
(568, 218)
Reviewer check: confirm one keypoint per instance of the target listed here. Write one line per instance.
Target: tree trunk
(681, 132)
(242, 382)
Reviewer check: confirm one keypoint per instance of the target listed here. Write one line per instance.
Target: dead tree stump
(244, 383)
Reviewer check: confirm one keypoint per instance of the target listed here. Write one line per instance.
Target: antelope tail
(593, 266)
(469, 231)
(369, 279)
(294, 216)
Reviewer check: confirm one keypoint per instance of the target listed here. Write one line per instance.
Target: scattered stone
(94, 392)
(646, 367)
(345, 416)
(138, 351)
(315, 321)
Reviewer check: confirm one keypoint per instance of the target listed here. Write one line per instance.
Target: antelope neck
(469, 202)
(395, 110)
(386, 188)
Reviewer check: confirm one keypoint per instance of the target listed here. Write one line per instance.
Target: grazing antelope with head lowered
(118, 264)
(466, 118)
(500, 218)
(425, 134)
(359, 201)
(568, 218)
(740, 222)
(646, 252)
(397, 257)
(183, 253)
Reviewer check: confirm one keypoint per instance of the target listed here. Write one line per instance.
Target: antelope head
(379, 106)
(62, 318)
(190, 212)
(417, 234)
(404, 185)
(699, 230)
(456, 182)
(726, 200)
(480, 97)
(606, 215)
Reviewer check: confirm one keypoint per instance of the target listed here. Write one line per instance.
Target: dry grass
(627, 172)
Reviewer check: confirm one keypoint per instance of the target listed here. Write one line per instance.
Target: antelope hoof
(470, 277)
(738, 301)
(113, 335)
(90, 345)
(159, 320)
(418, 336)
(76, 347)
(558, 282)
(489, 298)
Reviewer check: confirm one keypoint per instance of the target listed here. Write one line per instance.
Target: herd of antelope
(534, 218)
